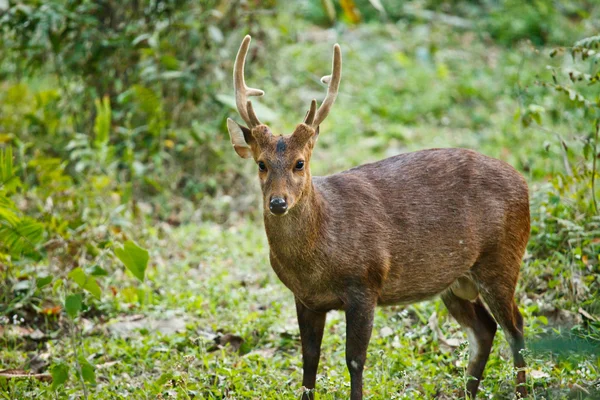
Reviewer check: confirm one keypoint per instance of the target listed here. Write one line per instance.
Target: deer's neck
(299, 231)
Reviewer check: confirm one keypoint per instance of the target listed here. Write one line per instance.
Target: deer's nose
(278, 205)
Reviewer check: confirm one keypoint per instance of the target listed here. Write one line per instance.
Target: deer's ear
(305, 134)
(239, 136)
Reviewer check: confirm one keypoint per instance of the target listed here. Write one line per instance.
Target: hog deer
(448, 222)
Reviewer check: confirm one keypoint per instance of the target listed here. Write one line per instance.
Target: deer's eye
(261, 166)
(299, 165)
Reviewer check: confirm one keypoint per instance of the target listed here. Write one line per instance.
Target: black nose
(278, 205)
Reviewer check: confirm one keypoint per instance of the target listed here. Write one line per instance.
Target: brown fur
(401, 230)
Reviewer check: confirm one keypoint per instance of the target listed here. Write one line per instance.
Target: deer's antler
(314, 119)
(242, 91)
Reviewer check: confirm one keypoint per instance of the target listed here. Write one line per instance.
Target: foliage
(585, 102)
(506, 21)
(155, 66)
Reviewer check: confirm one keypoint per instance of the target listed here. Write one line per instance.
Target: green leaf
(587, 148)
(146, 99)
(134, 257)
(60, 374)
(87, 370)
(8, 211)
(21, 236)
(97, 270)
(8, 178)
(164, 378)
(73, 304)
(85, 282)
(41, 282)
(57, 285)
(102, 122)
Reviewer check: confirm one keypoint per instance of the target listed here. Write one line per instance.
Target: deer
(446, 222)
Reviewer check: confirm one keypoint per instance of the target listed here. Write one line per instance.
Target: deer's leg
(480, 327)
(506, 312)
(359, 325)
(498, 280)
(312, 325)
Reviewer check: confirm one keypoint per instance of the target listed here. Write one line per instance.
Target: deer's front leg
(311, 333)
(359, 324)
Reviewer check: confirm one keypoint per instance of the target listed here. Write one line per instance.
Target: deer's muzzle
(278, 205)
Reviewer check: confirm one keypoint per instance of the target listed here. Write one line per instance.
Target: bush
(160, 66)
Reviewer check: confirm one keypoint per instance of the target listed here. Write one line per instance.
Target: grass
(404, 87)
(217, 281)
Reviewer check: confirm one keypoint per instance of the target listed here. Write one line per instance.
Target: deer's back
(430, 213)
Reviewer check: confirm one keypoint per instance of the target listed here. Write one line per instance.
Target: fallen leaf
(127, 325)
(107, 364)
(578, 389)
(87, 326)
(451, 343)
(234, 341)
(537, 374)
(38, 362)
(386, 331)
(37, 335)
(21, 374)
(264, 353)
(559, 317)
(23, 332)
(587, 315)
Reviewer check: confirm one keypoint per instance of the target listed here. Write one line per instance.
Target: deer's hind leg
(497, 276)
(498, 295)
(480, 328)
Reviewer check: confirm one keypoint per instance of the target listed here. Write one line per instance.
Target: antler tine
(310, 115)
(251, 114)
(241, 90)
(333, 82)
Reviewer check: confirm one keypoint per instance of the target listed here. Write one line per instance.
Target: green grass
(217, 280)
(404, 87)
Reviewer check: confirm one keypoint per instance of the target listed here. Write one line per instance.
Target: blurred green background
(115, 164)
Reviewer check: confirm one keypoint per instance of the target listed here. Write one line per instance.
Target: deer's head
(282, 160)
